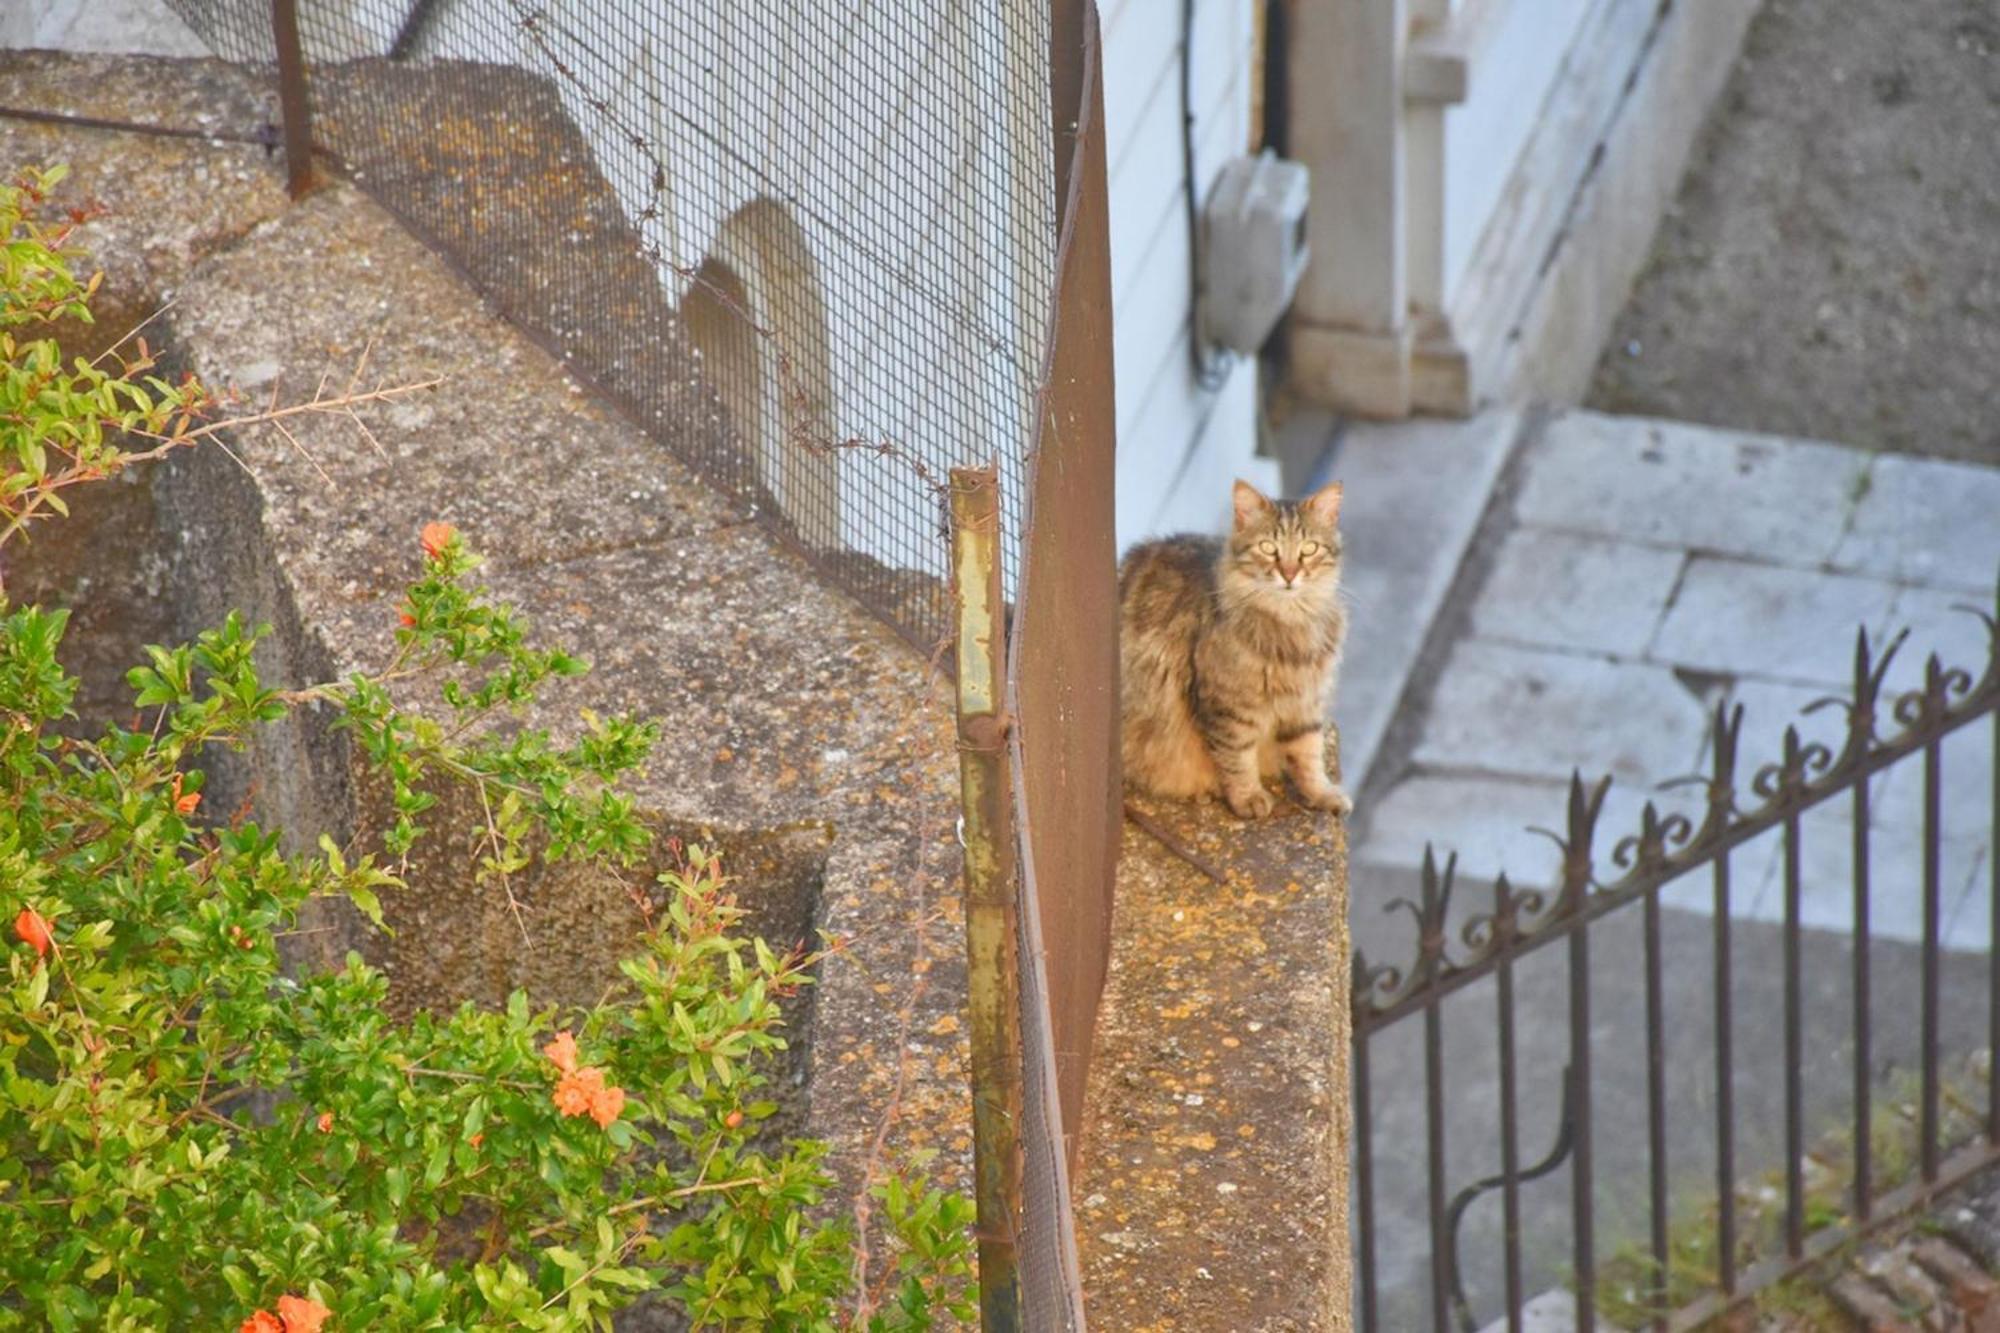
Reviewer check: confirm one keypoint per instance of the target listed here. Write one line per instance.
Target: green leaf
(365, 899)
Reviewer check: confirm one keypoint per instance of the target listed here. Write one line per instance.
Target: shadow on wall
(756, 316)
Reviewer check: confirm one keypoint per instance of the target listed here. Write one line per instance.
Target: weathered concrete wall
(800, 739)
(166, 204)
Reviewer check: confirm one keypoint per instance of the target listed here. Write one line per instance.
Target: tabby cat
(1228, 648)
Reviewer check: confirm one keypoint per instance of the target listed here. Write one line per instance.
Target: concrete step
(1415, 493)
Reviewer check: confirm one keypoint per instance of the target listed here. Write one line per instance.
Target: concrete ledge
(1215, 1157)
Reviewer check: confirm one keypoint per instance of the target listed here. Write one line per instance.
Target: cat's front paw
(1332, 798)
(1250, 803)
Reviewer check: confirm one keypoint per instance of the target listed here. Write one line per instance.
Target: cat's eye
(1268, 548)
(1310, 548)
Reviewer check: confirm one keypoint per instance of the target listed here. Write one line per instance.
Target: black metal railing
(1491, 944)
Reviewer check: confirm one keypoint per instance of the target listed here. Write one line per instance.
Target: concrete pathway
(1618, 579)
(1633, 573)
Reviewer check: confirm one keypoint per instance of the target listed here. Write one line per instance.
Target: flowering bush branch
(193, 1136)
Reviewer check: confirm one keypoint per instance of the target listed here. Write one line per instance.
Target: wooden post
(292, 98)
(991, 892)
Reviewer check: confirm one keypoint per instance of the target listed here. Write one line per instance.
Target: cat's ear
(1324, 504)
(1251, 504)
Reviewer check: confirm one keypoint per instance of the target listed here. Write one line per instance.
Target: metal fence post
(991, 892)
(292, 97)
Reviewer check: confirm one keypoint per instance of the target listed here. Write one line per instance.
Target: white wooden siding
(1178, 444)
(1484, 135)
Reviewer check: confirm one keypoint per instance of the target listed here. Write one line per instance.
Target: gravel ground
(1831, 267)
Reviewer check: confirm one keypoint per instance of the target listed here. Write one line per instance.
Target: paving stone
(1406, 536)
(1537, 713)
(1555, 590)
(1919, 1297)
(1965, 789)
(1895, 880)
(1771, 707)
(1487, 821)
(1896, 792)
(1739, 618)
(1868, 1305)
(1672, 484)
(1971, 1219)
(1924, 520)
(1895, 816)
(1939, 622)
(1971, 1289)
(1484, 820)
(1550, 1312)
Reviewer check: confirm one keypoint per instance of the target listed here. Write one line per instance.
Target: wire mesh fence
(810, 248)
(813, 249)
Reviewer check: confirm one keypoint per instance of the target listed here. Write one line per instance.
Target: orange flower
(435, 537)
(33, 927)
(262, 1322)
(733, 1119)
(605, 1105)
(578, 1091)
(301, 1315)
(325, 1122)
(562, 1051)
(184, 804)
(477, 1139)
(405, 619)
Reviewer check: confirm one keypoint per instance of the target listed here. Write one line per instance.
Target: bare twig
(1154, 829)
(133, 332)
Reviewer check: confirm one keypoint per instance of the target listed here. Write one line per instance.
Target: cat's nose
(1289, 572)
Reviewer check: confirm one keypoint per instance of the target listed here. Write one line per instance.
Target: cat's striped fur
(1228, 650)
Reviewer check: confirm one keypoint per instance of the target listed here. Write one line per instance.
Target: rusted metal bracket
(992, 889)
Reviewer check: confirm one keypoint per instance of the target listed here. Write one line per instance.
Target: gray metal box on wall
(1253, 249)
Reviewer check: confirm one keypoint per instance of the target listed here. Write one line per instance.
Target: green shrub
(193, 1136)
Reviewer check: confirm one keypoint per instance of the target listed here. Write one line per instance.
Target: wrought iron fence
(1679, 1276)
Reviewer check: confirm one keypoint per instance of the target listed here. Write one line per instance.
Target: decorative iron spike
(1431, 962)
(1488, 932)
(1585, 805)
(1990, 681)
(1926, 706)
(1794, 775)
(1647, 852)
